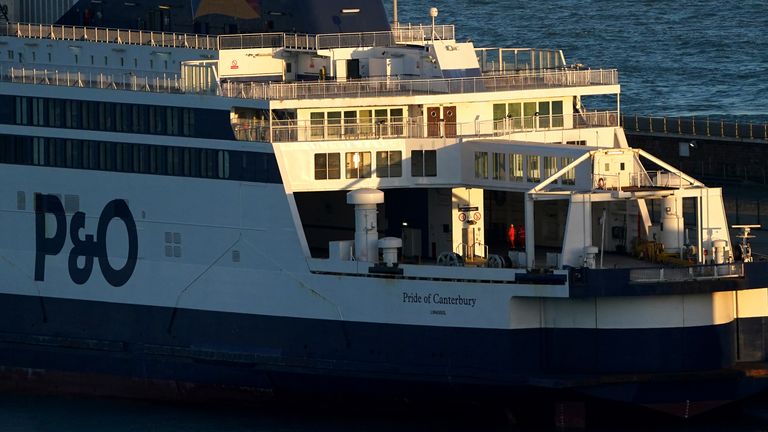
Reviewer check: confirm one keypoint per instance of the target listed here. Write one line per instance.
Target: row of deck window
(114, 117)
(104, 116)
(522, 168)
(388, 164)
(528, 115)
(357, 123)
(139, 158)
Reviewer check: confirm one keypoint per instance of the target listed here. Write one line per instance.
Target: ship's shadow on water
(25, 413)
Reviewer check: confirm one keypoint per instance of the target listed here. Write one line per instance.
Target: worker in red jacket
(511, 236)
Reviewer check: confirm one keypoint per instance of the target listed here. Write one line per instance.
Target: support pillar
(530, 241)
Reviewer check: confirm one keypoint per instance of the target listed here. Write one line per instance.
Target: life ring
(611, 120)
(601, 183)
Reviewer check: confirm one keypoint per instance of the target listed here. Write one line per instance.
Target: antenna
(433, 13)
(744, 246)
(395, 24)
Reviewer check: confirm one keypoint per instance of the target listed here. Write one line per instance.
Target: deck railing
(302, 131)
(109, 35)
(400, 34)
(683, 274)
(643, 179)
(703, 127)
(407, 87)
(318, 90)
(164, 83)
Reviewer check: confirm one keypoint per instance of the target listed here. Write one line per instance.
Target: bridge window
(516, 167)
(366, 122)
(327, 166)
(569, 177)
(396, 119)
(334, 124)
(557, 114)
(534, 173)
(528, 115)
(550, 166)
(389, 164)
(350, 123)
(481, 165)
(423, 163)
(317, 125)
(499, 166)
(499, 116)
(358, 165)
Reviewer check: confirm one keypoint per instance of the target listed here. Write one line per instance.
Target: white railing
(682, 274)
(643, 179)
(165, 83)
(109, 35)
(401, 34)
(416, 87)
(306, 130)
(319, 90)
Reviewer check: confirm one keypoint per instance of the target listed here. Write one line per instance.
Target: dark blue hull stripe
(227, 349)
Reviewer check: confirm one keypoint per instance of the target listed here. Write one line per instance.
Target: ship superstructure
(293, 211)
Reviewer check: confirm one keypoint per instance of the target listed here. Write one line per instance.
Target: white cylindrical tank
(389, 246)
(672, 224)
(366, 227)
(718, 251)
(590, 256)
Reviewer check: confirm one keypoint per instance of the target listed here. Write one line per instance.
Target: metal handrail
(162, 83)
(703, 127)
(483, 245)
(682, 274)
(361, 88)
(416, 87)
(110, 35)
(401, 34)
(642, 179)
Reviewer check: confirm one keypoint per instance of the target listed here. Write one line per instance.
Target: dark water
(684, 57)
(675, 57)
(25, 413)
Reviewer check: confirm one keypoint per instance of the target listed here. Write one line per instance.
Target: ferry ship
(300, 197)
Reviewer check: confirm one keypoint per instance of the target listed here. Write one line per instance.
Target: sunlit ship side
(381, 211)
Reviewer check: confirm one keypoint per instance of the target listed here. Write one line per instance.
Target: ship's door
(449, 118)
(433, 121)
(353, 69)
(468, 238)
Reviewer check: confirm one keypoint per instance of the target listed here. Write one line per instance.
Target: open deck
(403, 34)
(173, 83)
(515, 81)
